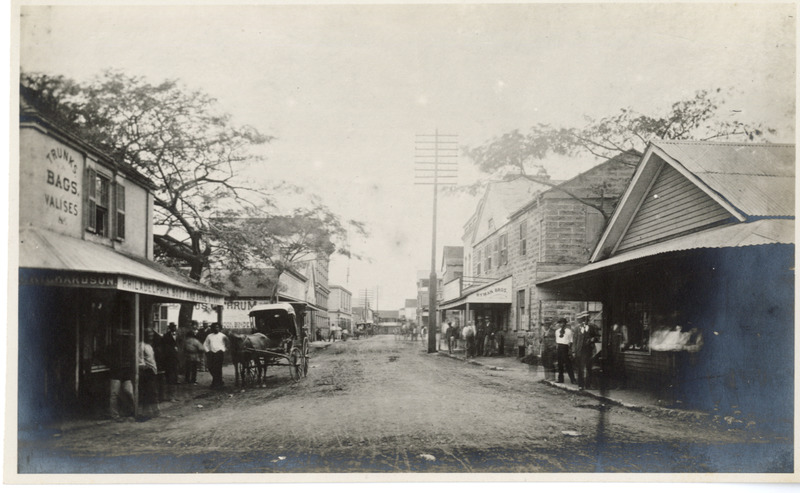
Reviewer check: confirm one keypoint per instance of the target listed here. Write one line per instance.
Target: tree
(281, 242)
(621, 137)
(173, 136)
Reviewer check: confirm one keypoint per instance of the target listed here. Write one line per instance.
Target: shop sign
(236, 314)
(177, 293)
(451, 290)
(496, 293)
(67, 280)
(62, 185)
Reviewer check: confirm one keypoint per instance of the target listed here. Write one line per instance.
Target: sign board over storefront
(92, 280)
(499, 292)
(451, 290)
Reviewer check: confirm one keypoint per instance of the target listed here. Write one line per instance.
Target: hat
(171, 326)
(562, 320)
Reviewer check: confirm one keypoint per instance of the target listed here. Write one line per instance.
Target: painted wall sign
(62, 184)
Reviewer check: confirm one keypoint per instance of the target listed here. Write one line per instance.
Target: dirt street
(381, 405)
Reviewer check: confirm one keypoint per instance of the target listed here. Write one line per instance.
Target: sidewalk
(639, 400)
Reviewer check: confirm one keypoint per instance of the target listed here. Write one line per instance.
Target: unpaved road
(380, 405)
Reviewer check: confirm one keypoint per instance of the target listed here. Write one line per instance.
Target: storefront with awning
(76, 298)
(490, 302)
(87, 284)
(695, 271)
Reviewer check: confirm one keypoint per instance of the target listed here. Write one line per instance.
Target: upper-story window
(503, 240)
(119, 191)
(99, 195)
(523, 238)
(488, 257)
(105, 211)
(478, 262)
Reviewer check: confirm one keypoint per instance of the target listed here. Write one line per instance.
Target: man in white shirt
(215, 345)
(563, 344)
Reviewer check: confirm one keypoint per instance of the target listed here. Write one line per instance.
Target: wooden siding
(647, 368)
(681, 207)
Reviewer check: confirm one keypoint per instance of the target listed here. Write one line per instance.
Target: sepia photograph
(387, 242)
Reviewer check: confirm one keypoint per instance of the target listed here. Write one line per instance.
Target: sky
(346, 89)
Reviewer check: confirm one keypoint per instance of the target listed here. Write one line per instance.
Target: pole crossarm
(436, 158)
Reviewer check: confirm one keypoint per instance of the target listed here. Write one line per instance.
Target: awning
(47, 258)
(497, 292)
(305, 304)
(763, 232)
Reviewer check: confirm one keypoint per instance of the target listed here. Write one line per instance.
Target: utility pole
(436, 158)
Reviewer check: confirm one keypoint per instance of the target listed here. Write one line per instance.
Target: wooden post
(136, 340)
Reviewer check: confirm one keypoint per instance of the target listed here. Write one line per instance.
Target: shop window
(523, 238)
(637, 321)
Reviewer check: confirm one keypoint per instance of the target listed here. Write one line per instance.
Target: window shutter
(120, 208)
(91, 219)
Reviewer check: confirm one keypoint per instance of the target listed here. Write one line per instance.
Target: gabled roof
(757, 179)
(747, 182)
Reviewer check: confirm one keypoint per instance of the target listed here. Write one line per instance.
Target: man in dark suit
(169, 354)
(586, 336)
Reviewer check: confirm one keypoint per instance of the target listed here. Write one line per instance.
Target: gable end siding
(681, 208)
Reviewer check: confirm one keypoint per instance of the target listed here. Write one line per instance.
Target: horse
(243, 356)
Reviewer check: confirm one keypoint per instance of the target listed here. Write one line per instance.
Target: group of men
(577, 346)
(480, 340)
(158, 360)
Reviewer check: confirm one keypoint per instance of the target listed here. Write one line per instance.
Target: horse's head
(236, 340)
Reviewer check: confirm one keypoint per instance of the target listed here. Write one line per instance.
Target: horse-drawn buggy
(276, 340)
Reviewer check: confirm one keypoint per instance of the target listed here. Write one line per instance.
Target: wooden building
(703, 238)
(87, 279)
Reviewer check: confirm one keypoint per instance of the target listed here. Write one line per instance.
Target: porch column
(136, 322)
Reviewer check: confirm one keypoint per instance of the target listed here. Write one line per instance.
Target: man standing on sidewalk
(216, 344)
(449, 334)
(469, 338)
(585, 338)
(564, 349)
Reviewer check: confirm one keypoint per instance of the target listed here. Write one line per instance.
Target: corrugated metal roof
(757, 179)
(43, 249)
(764, 232)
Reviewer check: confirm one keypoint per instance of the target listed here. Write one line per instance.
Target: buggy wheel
(296, 364)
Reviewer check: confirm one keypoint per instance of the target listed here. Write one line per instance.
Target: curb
(600, 398)
(472, 361)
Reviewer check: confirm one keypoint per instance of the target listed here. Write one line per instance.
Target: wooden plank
(677, 221)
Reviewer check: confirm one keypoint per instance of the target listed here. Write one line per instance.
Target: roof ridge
(719, 143)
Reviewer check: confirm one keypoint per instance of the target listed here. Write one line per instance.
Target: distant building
(409, 311)
(256, 287)
(340, 309)
(523, 231)
(423, 300)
